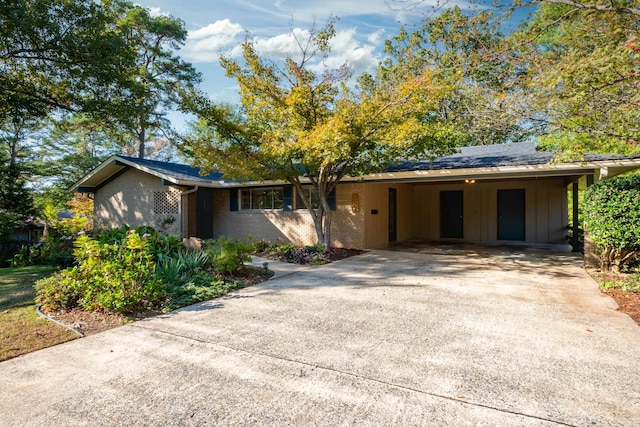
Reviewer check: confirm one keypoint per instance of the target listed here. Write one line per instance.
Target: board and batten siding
(376, 211)
(545, 210)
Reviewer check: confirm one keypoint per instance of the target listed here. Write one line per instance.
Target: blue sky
(221, 25)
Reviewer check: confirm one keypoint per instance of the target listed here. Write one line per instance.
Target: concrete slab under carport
(385, 338)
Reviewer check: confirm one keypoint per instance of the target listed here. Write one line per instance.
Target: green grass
(21, 329)
(16, 285)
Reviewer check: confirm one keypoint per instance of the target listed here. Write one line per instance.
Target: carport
(499, 194)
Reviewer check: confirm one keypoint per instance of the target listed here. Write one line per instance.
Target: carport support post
(574, 226)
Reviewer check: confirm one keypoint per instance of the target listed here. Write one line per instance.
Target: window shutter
(233, 199)
(331, 200)
(287, 198)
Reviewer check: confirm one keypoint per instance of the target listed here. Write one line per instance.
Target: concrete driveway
(385, 338)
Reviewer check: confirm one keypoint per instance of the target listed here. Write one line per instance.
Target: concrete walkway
(385, 338)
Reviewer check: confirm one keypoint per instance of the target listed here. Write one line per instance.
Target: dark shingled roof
(482, 156)
(175, 170)
(490, 156)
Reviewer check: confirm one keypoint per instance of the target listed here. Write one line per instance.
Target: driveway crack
(358, 376)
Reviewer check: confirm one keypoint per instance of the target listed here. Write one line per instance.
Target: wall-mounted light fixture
(470, 181)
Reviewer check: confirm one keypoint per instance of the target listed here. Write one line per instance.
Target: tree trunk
(141, 141)
(326, 229)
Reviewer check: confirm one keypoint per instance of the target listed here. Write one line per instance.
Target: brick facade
(291, 226)
(136, 198)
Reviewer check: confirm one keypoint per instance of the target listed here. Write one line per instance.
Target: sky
(219, 26)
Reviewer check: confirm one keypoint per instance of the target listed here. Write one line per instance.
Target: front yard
(21, 329)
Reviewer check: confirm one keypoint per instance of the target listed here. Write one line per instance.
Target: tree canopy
(60, 54)
(569, 75)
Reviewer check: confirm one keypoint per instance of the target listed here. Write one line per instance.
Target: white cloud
(345, 49)
(375, 38)
(156, 11)
(205, 44)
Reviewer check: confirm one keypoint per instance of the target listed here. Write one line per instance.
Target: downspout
(185, 193)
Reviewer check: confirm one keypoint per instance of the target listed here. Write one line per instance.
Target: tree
(574, 72)
(17, 136)
(161, 79)
(60, 55)
(465, 50)
(584, 75)
(298, 126)
(16, 204)
(612, 218)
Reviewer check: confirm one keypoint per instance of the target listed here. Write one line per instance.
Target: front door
(204, 213)
(393, 212)
(511, 214)
(451, 221)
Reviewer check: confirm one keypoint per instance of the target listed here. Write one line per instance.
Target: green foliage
(612, 218)
(629, 284)
(127, 271)
(199, 287)
(118, 277)
(16, 203)
(57, 253)
(183, 263)
(61, 291)
(227, 255)
(60, 54)
(316, 254)
(581, 61)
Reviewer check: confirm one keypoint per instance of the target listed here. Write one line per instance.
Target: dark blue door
(393, 215)
(204, 213)
(511, 214)
(451, 221)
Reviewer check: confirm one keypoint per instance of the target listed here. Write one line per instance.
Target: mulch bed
(628, 302)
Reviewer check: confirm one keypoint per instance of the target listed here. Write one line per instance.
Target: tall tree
(16, 203)
(583, 62)
(161, 79)
(298, 126)
(465, 50)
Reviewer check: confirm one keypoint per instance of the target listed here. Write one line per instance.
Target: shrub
(186, 261)
(57, 253)
(60, 291)
(612, 218)
(117, 277)
(227, 255)
(316, 254)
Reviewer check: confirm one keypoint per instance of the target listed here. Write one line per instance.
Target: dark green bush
(612, 218)
(58, 253)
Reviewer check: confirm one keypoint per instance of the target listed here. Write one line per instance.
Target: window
(261, 198)
(310, 194)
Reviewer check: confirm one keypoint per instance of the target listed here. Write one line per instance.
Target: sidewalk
(280, 269)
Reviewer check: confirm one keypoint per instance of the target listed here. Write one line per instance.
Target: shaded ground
(21, 329)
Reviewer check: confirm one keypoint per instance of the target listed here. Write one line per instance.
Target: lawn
(21, 329)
